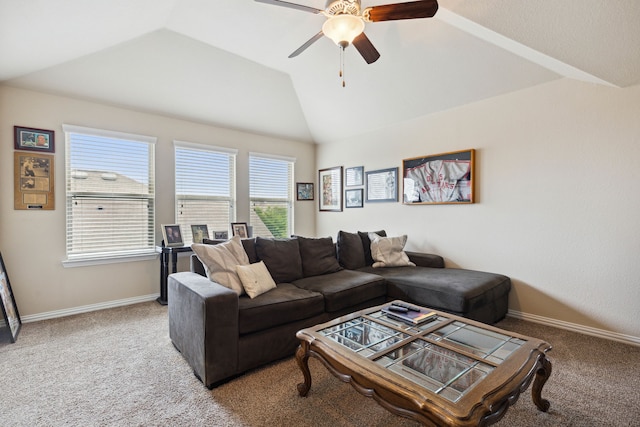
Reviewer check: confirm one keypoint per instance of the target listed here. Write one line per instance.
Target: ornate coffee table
(449, 371)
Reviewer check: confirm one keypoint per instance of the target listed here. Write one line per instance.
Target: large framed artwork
(382, 185)
(439, 179)
(33, 187)
(330, 180)
(8, 304)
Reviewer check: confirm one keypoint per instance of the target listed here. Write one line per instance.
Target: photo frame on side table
(221, 235)
(330, 181)
(446, 178)
(10, 312)
(33, 139)
(172, 235)
(240, 229)
(353, 198)
(304, 191)
(199, 232)
(382, 185)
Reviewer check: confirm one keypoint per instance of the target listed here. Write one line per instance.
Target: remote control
(398, 309)
(407, 306)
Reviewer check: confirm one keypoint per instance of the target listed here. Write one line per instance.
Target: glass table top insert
(446, 357)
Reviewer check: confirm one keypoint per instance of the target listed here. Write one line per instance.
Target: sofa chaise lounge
(222, 334)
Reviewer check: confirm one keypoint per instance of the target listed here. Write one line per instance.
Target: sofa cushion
(250, 248)
(255, 279)
(345, 288)
(318, 256)
(366, 244)
(282, 258)
(349, 250)
(220, 262)
(449, 289)
(389, 251)
(284, 304)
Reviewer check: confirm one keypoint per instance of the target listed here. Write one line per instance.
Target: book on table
(411, 316)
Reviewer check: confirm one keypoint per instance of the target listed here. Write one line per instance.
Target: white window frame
(231, 198)
(289, 200)
(109, 256)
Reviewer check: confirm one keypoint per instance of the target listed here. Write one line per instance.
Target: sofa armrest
(426, 260)
(203, 325)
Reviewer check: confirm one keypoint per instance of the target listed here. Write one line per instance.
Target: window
(271, 195)
(205, 187)
(110, 199)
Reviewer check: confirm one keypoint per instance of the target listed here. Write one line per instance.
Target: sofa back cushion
(318, 256)
(282, 258)
(350, 252)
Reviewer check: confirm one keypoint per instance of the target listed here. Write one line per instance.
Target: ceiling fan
(346, 21)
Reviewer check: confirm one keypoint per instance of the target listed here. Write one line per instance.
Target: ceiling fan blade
(366, 48)
(308, 43)
(291, 5)
(408, 10)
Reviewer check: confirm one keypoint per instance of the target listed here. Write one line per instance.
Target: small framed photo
(240, 229)
(8, 303)
(199, 232)
(354, 176)
(221, 235)
(172, 235)
(382, 185)
(304, 191)
(33, 139)
(353, 198)
(330, 193)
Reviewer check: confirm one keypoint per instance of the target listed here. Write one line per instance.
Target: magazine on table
(414, 316)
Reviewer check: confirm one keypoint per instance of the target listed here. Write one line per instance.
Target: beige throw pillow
(255, 278)
(388, 251)
(220, 262)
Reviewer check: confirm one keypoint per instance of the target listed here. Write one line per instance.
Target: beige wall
(33, 243)
(557, 169)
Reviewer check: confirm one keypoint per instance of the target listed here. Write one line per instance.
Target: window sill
(87, 262)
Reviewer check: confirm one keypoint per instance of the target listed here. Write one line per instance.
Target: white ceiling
(224, 62)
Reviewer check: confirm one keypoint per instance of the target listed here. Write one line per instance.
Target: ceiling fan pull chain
(342, 65)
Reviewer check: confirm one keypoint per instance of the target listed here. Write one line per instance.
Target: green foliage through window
(275, 219)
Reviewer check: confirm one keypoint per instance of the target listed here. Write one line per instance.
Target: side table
(168, 255)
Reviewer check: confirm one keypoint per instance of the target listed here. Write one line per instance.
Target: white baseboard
(574, 327)
(87, 308)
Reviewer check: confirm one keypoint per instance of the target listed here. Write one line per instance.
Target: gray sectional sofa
(222, 334)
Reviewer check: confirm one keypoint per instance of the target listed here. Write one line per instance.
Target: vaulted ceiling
(224, 62)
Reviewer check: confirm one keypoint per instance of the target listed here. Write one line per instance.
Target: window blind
(110, 199)
(205, 188)
(271, 195)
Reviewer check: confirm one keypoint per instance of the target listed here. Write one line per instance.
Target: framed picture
(8, 303)
(353, 198)
(33, 183)
(240, 229)
(34, 139)
(199, 232)
(354, 176)
(221, 235)
(438, 179)
(172, 235)
(382, 185)
(330, 181)
(304, 191)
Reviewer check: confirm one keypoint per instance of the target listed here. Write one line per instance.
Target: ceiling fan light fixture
(343, 28)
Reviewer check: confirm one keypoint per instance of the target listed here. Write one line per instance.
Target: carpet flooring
(117, 367)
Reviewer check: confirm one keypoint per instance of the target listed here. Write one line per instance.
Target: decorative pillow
(318, 256)
(366, 244)
(220, 262)
(282, 258)
(388, 251)
(255, 278)
(350, 252)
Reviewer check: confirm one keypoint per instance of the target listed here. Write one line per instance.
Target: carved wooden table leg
(302, 357)
(542, 375)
